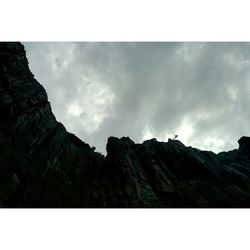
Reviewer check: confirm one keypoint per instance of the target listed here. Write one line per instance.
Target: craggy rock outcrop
(42, 165)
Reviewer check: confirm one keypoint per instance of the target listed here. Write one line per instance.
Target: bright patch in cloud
(211, 143)
(147, 134)
(92, 105)
(184, 132)
(74, 109)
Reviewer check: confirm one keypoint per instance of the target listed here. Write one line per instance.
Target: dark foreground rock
(42, 165)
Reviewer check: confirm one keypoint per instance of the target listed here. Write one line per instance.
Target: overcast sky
(200, 91)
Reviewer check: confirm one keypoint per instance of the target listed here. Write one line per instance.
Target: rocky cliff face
(42, 165)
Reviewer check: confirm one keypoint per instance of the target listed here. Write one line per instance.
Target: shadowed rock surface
(42, 165)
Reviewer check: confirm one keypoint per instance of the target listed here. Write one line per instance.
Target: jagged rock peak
(244, 146)
(244, 140)
(12, 57)
(116, 145)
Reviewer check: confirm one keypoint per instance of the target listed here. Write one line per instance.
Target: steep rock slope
(39, 160)
(42, 165)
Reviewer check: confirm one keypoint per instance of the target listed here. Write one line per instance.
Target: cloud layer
(200, 91)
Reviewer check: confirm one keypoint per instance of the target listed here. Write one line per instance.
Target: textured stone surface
(42, 165)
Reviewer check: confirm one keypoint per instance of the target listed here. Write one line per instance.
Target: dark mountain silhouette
(42, 165)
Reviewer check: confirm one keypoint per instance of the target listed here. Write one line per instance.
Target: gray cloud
(142, 90)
